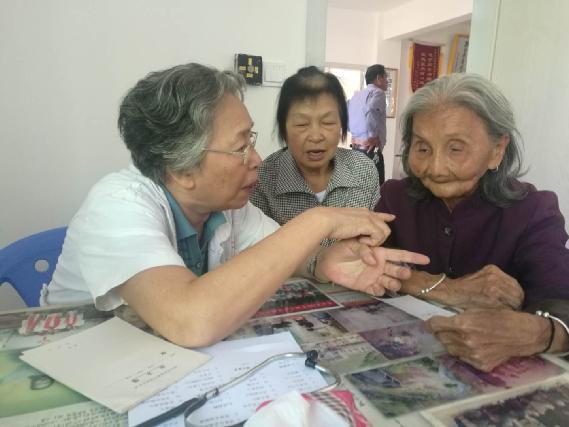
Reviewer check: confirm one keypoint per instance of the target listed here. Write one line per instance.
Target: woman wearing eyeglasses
(310, 170)
(174, 235)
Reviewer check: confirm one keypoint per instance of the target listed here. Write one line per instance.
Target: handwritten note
(231, 359)
(115, 363)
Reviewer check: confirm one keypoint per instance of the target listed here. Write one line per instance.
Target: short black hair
(309, 83)
(373, 71)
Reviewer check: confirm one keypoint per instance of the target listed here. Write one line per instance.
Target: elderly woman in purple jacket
(497, 245)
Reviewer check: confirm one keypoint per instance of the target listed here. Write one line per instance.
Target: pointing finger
(396, 255)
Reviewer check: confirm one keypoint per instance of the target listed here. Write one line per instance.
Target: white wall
(419, 16)
(352, 36)
(527, 59)
(67, 63)
(316, 18)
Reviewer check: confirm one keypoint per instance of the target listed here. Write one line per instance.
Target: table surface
(394, 368)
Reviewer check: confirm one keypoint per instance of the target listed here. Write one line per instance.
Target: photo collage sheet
(543, 404)
(29, 397)
(389, 359)
(392, 364)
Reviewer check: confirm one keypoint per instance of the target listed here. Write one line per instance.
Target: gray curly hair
(166, 119)
(482, 97)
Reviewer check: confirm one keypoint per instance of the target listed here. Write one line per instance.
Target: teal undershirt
(192, 249)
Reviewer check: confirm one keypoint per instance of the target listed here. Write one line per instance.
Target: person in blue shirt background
(367, 117)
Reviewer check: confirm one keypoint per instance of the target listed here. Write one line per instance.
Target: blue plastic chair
(28, 263)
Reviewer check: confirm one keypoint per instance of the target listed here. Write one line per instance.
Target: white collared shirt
(126, 226)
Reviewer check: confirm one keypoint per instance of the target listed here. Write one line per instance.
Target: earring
(496, 169)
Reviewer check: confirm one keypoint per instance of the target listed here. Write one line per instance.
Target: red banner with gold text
(424, 65)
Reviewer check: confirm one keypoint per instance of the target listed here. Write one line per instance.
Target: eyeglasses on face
(244, 152)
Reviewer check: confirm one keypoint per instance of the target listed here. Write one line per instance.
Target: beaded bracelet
(425, 291)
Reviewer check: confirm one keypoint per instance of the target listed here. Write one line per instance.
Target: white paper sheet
(416, 307)
(231, 359)
(115, 363)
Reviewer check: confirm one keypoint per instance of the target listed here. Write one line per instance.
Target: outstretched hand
(358, 266)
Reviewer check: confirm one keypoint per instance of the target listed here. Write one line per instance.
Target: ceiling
(371, 5)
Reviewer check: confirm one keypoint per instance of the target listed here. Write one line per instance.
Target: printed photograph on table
(345, 297)
(422, 383)
(348, 353)
(25, 329)
(369, 317)
(306, 328)
(515, 372)
(542, 405)
(410, 386)
(295, 297)
(397, 342)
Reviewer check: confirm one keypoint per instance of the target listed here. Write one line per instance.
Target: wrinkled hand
(486, 338)
(489, 287)
(368, 269)
(346, 223)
